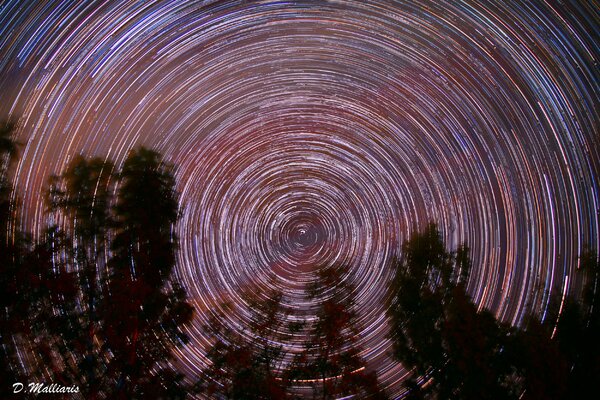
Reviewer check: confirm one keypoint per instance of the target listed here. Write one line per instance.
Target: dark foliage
(14, 283)
(80, 198)
(437, 330)
(93, 301)
(560, 357)
(331, 359)
(142, 309)
(255, 362)
(248, 364)
(463, 353)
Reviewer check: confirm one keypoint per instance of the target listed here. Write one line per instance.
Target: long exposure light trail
(310, 132)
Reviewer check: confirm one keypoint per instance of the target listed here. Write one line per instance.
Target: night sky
(308, 133)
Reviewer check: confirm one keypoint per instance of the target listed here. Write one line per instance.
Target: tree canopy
(455, 351)
(257, 361)
(96, 303)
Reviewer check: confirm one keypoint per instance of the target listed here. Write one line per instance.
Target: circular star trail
(308, 133)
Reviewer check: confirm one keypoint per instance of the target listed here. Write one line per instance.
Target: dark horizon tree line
(463, 353)
(104, 313)
(259, 362)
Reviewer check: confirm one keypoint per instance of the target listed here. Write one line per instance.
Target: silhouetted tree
(437, 330)
(13, 249)
(578, 331)
(143, 310)
(29, 282)
(32, 285)
(8, 145)
(253, 361)
(52, 319)
(249, 363)
(542, 369)
(560, 356)
(331, 359)
(466, 354)
(113, 314)
(80, 198)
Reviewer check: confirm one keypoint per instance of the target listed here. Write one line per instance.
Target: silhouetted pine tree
(79, 202)
(438, 332)
(37, 294)
(143, 310)
(331, 360)
(249, 363)
(114, 314)
(13, 249)
(560, 357)
(29, 282)
(578, 331)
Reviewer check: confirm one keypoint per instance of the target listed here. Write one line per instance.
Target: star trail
(308, 133)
